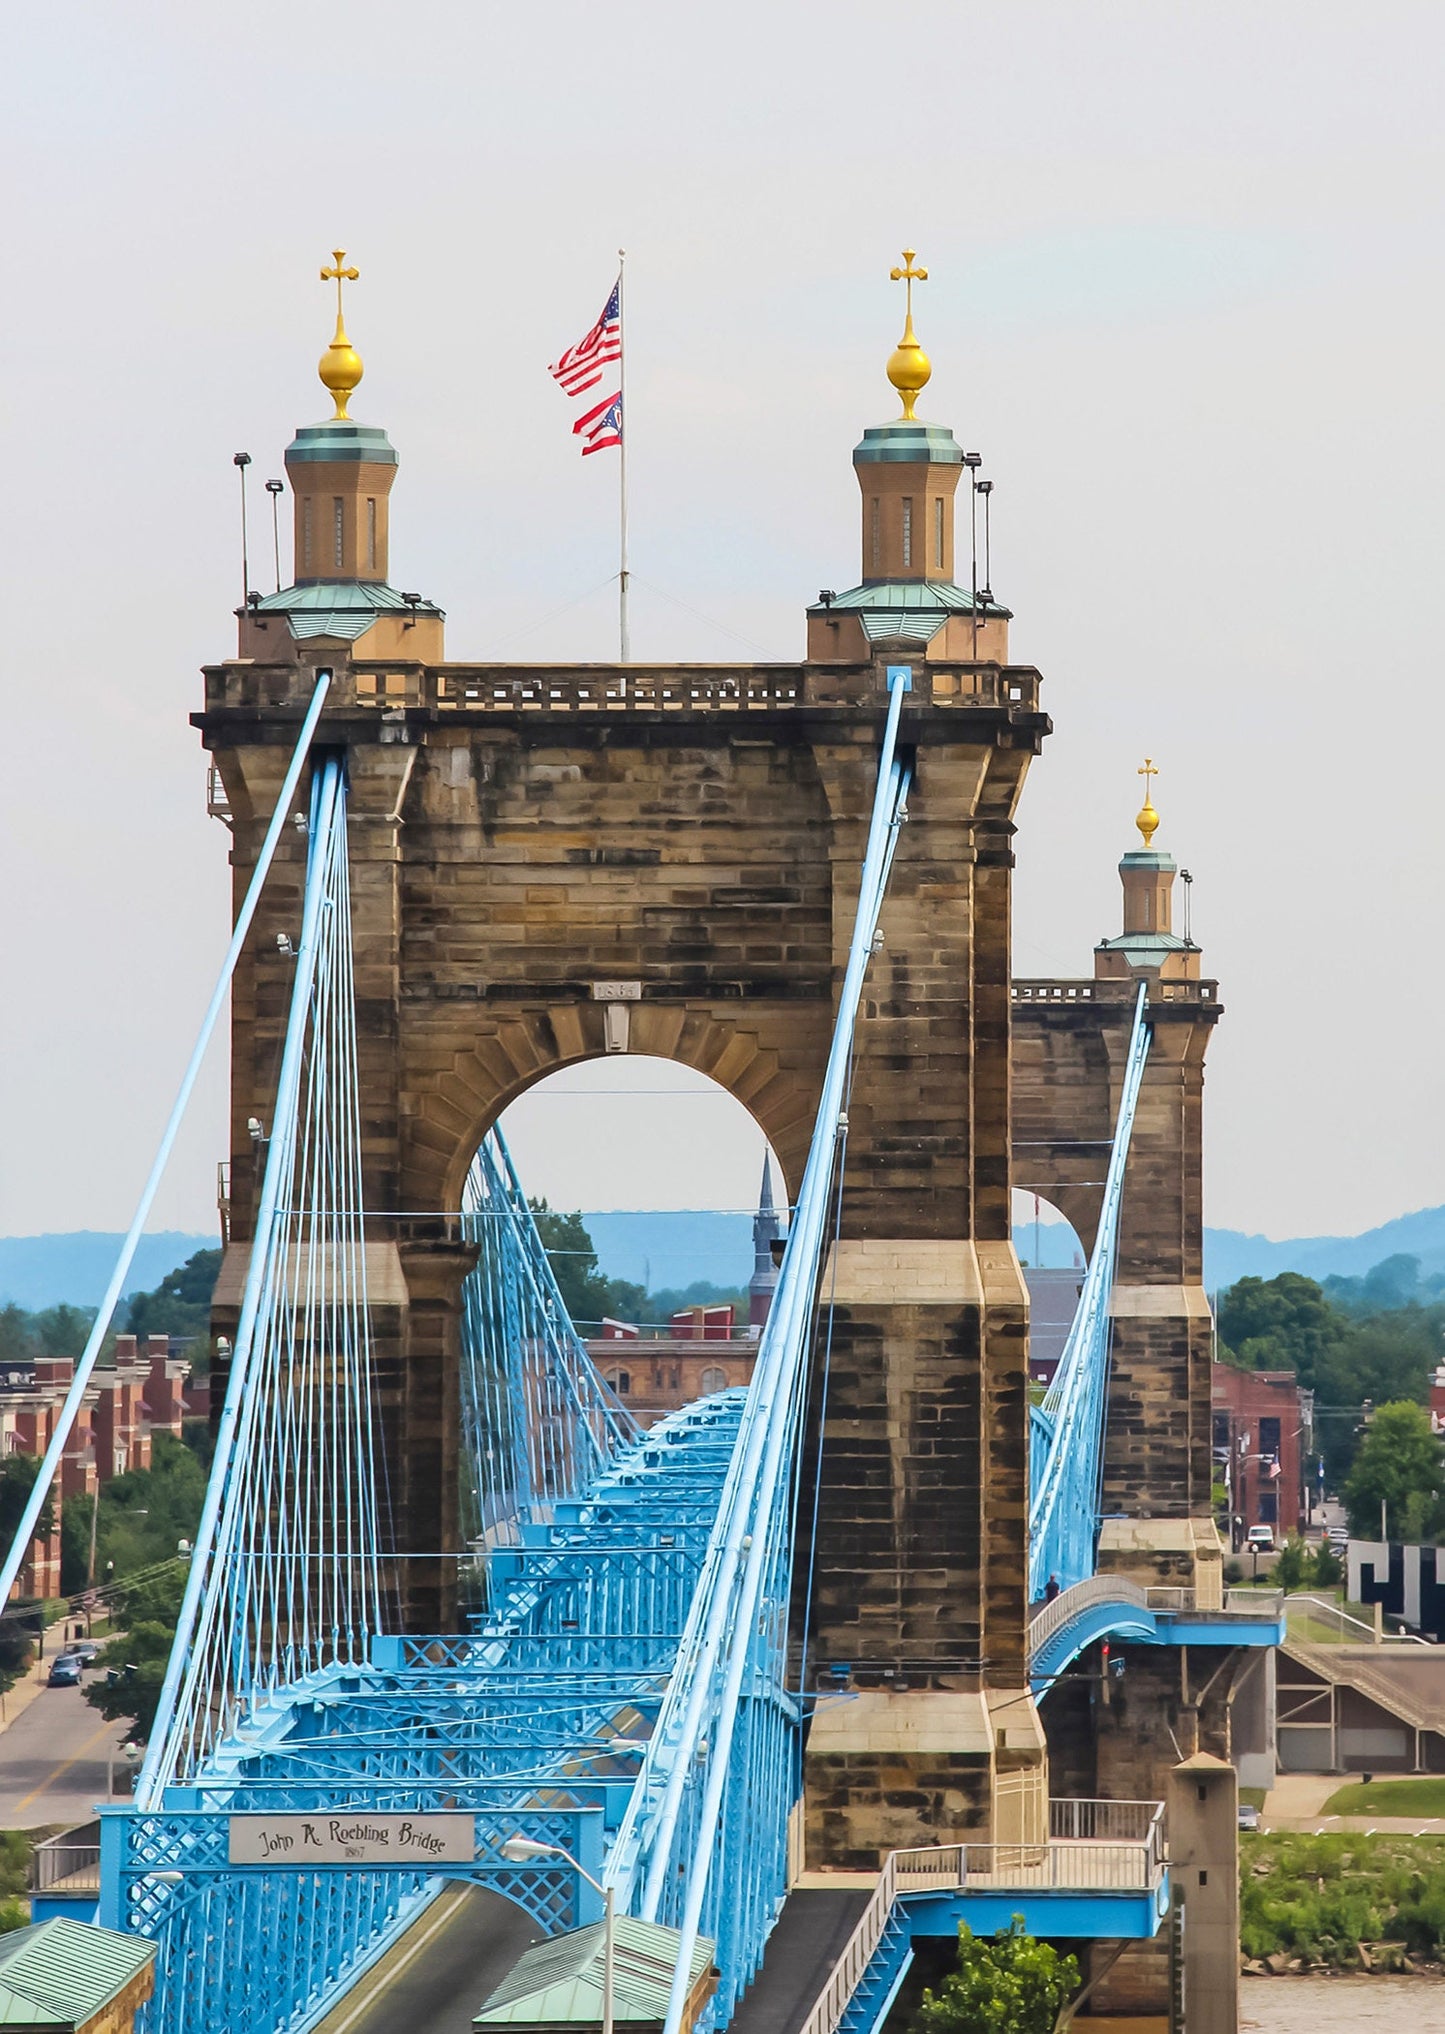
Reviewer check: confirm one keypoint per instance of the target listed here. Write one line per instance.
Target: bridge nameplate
(406, 1841)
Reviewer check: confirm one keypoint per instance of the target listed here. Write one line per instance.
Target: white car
(1260, 1539)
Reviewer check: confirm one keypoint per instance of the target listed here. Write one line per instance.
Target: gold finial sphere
(340, 365)
(1147, 820)
(909, 367)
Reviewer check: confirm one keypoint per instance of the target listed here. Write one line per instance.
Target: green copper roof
(338, 443)
(913, 610)
(62, 1973)
(1148, 858)
(559, 1983)
(339, 607)
(1146, 949)
(908, 444)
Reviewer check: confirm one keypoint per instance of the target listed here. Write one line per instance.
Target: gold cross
(1148, 773)
(339, 274)
(908, 275)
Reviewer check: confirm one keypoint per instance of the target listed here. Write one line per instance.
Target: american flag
(601, 426)
(581, 366)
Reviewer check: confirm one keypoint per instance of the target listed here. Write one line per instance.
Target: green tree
(132, 1666)
(146, 1513)
(586, 1293)
(1293, 1566)
(1009, 1984)
(62, 1330)
(1283, 1323)
(1327, 1570)
(181, 1303)
(1399, 1465)
(17, 1337)
(75, 1544)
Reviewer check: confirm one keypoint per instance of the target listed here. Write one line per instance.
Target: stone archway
(776, 1082)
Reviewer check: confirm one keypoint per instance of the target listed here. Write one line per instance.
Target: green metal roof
(914, 609)
(18, 2011)
(1146, 949)
(559, 1982)
(908, 443)
(62, 1973)
(1148, 858)
(339, 607)
(340, 444)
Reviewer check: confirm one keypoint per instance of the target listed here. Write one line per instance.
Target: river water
(1345, 2005)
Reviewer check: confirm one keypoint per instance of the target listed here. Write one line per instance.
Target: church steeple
(766, 1231)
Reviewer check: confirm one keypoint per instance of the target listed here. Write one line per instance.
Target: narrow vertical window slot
(938, 533)
(877, 538)
(370, 533)
(907, 530)
(306, 534)
(338, 507)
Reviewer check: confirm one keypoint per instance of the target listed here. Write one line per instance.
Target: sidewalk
(19, 1698)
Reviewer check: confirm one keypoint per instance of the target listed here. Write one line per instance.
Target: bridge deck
(810, 1935)
(435, 1978)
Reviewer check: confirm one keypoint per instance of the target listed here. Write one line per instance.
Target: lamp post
(523, 1850)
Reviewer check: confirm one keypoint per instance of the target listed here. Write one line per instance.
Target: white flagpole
(626, 651)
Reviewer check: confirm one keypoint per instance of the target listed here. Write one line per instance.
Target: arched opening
(662, 1206)
(1053, 1261)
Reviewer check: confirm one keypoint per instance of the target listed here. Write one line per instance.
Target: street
(53, 1760)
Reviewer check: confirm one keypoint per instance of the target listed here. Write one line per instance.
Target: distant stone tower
(766, 1231)
(1070, 1042)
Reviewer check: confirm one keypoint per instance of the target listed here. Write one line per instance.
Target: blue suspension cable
(50, 1461)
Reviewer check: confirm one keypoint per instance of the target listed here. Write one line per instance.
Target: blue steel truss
(1066, 1454)
(622, 1693)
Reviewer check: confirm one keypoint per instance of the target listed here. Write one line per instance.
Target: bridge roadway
(436, 1977)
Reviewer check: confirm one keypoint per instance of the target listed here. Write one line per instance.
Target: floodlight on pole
(519, 1849)
(276, 488)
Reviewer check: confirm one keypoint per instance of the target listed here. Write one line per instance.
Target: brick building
(122, 1408)
(654, 1370)
(1263, 1445)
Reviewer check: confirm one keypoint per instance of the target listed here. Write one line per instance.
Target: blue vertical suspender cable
(326, 792)
(50, 1462)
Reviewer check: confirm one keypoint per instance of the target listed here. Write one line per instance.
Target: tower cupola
(908, 474)
(1148, 944)
(341, 474)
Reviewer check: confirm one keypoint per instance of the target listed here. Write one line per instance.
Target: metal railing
(1053, 990)
(71, 1858)
(903, 1871)
(1050, 1617)
(1094, 1846)
(1073, 1821)
(1348, 1630)
(602, 689)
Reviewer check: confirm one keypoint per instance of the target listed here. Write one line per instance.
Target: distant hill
(679, 1246)
(674, 1248)
(1230, 1254)
(41, 1271)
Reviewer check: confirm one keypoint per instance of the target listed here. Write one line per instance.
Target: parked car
(1337, 1539)
(1260, 1539)
(1248, 1816)
(64, 1672)
(84, 1650)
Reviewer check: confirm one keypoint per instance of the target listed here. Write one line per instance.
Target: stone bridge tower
(1070, 1043)
(553, 861)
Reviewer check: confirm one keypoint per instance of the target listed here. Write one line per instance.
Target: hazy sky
(1186, 299)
